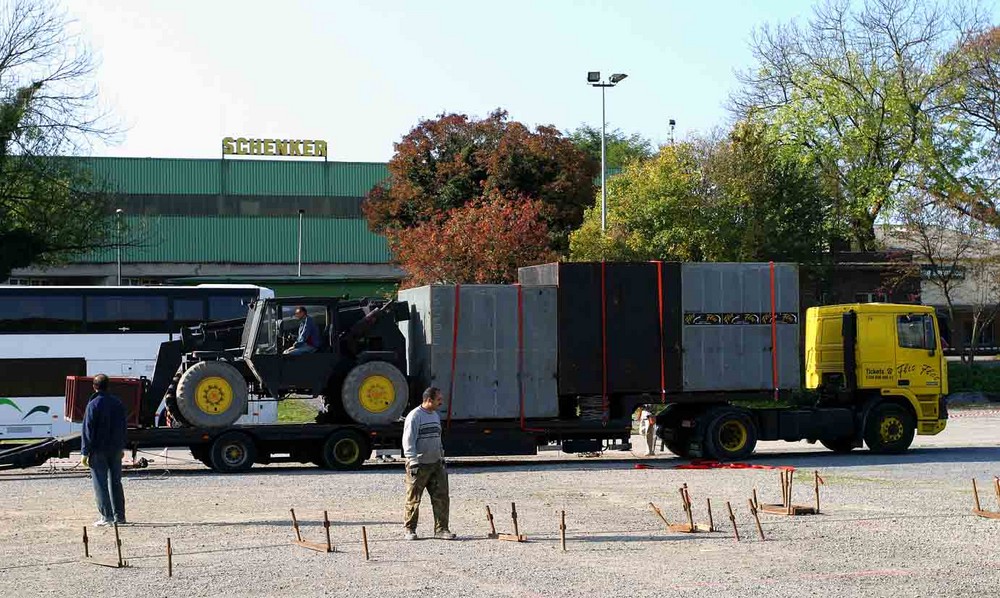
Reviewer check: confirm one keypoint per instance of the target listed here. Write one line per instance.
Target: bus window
(42, 313)
(143, 313)
(222, 307)
(188, 312)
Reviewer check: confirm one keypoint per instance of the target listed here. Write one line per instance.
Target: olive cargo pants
(433, 477)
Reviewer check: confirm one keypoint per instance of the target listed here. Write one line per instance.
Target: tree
(740, 198)
(447, 164)
(47, 109)
(483, 242)
(859, 90)
(619, 148)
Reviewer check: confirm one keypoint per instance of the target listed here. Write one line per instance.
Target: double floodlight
(594, 78)
(618, 77)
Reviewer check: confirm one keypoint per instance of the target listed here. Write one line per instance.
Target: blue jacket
(104, 425)
(308, 334)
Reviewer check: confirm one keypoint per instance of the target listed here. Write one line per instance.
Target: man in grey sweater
(425, 465)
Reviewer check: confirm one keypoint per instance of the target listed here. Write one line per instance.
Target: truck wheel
(889, 428)
(840, 446)
(375, 393)
(212, 394)
(680, 448)
(344, 450)
(730, 434)
(233, 452)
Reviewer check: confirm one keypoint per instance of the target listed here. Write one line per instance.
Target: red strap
(604, 344)
(774, 338)
(659, 297)
(454, 353)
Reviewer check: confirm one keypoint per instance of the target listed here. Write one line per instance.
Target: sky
(180, 75)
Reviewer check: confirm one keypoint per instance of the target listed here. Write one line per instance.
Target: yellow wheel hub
(377, 394)
(346, 451)
(891, 429)
(213, 395)
(733, 436)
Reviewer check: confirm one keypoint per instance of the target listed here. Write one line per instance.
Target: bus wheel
(345, 450)
(233, 452)
(889, 428)
(730, 434)
(212, 394)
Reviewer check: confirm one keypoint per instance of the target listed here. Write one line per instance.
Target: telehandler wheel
(840, 446)
(212, 394)
(345, 450)
(233, 452)
(730, 435)
(889, 428)
(374, 393)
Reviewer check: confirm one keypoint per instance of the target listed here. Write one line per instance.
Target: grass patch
(973, 378)
(296, 411)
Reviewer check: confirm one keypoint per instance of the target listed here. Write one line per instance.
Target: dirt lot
(892, 526)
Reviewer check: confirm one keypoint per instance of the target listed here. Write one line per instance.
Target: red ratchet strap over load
(774, 338)
(707, 464)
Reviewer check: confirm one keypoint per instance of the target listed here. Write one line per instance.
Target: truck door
(918, 365)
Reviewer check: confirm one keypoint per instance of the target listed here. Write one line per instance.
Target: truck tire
(345, 450)
(233, 452)
(374, 393)
(889, 428)
(212, 394)
(841, 446)
(730, 434)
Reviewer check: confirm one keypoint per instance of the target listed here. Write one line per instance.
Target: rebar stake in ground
(562, 529)
(493, 530)
(756, 517)
(121, 563)
(732, 517)
(975, 495)
(786, 507)
(328, 547)
(516, 536)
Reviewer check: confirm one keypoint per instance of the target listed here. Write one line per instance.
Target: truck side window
(912, 333)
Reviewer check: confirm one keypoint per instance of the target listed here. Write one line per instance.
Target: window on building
(41, 313)
(108, 313)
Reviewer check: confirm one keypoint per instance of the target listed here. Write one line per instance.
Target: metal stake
(816, 475)
(975, 494)
(736, 531)
(562, 529)
(170, 560)
(326, 525)
(753, 510)
(118, 544)
(489, 517)
(364, 541)
(295, 525)
(513, 515)
(711, 524)
(86, 543)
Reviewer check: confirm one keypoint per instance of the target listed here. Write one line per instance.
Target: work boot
(444, 535)
(410, 535)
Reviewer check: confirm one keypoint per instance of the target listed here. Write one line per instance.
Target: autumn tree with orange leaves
(469, 201)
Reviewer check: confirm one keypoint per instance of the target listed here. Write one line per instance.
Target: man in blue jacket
(308, 337)
(103, 447)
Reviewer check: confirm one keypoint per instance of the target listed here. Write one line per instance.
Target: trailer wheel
(375, 393)
(730, 434)
(212, 394)
(889, 428)
(840, 446)
(345, 450)
(233, 452)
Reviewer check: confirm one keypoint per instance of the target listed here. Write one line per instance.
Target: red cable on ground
(454, 353)
(604, 344)
(659, 296)
(774, 338)
(708, 464)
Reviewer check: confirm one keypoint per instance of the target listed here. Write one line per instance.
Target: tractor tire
(730, 434)
(841, 446)
(889, 429)
(345, 450)
(212, 394)
(232, 452)
(374, 393)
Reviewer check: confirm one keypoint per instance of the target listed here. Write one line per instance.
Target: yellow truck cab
(884, 360)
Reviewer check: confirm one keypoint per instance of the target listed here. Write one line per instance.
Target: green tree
(857, 87)
(47, 109)
(620, 149)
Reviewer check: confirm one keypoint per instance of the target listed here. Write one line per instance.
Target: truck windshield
(267, 331)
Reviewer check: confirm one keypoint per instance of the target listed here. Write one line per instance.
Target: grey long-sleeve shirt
(422, 437)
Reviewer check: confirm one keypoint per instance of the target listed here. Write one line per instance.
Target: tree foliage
(456, 167)
(739, 198)
(47, 109)
(620, 149)
(859, 87)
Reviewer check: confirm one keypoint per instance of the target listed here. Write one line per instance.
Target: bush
(973, 378)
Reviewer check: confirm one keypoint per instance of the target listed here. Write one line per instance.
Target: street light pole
(118, 241)
(594, 79)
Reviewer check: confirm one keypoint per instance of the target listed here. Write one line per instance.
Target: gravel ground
(891, 526)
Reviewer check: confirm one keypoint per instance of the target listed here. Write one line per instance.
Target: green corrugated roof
(182, 176)
(246, 240)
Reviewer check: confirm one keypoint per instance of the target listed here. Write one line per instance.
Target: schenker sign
(241, 146)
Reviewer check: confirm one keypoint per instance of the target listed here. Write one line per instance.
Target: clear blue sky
(181, 75)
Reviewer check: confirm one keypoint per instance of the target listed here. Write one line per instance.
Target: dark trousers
(433, 477)
(106, 470)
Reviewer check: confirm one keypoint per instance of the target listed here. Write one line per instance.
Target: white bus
(50, 332)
